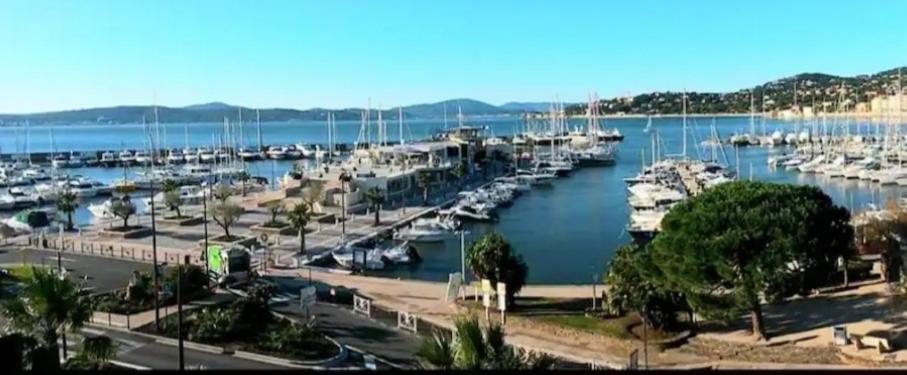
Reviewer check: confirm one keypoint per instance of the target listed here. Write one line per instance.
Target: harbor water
(566, 233)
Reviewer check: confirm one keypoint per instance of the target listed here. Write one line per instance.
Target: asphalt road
(338, 322)
(143, 352)
(104, 274)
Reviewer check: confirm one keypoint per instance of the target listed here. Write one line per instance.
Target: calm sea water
(566, 233)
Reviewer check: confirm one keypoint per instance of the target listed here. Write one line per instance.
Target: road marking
(129, 365)
(61, 259)
(93, 331)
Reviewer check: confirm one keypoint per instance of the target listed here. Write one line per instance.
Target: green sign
(215, 262)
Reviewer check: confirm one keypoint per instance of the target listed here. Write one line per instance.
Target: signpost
(502, 300)
(839, 333)
(454, 283)
(486, 296)
(307, 298)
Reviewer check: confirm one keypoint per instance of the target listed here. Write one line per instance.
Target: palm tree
(424, 183)
(299, 217)
(475, 349)
(375, 198)
(67, 203)
(48, 306)
(95, 355)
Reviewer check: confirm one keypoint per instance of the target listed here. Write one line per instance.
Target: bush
(194, 281)
(212, 325)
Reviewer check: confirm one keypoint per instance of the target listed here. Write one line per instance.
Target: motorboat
(403, 253)
(344, 257)
(305, 150)
(466, 211)
(75, 161)
(59, 161)
(190, 155)
(142, 157)
(108, 159)
(175, 156)
(126, 157)
(424, 230)
(247, 154)
(206, 155)
(21, 198)
(277, 153)
(535, 178)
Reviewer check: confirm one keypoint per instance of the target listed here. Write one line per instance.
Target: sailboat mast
(684, 105)
(258, 128)
(400, 125)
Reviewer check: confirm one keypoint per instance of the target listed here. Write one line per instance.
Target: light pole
(179, 311)
(205, 224)
(157, 285)
(60, 274)
(344, 177)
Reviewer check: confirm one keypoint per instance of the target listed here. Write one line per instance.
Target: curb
(191, 345)
(377, 358)
(309, 365)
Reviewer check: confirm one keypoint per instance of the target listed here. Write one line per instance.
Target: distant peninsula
(815, 92)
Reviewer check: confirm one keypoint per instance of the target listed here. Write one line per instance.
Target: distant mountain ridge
(826, 91)
(820, 91)
(217, 111)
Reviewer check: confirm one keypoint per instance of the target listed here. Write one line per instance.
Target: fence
(111, 319)
(125, 252)
(403, 320)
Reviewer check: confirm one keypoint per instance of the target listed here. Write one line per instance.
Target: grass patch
(615, 327)
(275, 224)
(22, 273)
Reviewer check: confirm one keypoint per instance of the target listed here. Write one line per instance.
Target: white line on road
(61, 259)
(129, 365)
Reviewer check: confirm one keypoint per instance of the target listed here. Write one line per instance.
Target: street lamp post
(157, 284)
(344, 178)
(205, 224)
(179, 311)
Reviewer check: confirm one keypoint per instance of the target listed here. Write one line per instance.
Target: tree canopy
(740, 243)
(492, 258)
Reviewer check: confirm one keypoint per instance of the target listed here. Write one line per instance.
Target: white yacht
(108, 159)
(142, 157)
(424, 230)
(247, 154)
(206, 155)
(190, 155)
(277, 153)
(59, 161)
(126, 157)
(175, 156)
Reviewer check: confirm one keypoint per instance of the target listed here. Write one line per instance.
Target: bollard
(109, 319)
(127, 322)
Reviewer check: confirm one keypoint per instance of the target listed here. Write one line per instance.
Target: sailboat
(648, 127)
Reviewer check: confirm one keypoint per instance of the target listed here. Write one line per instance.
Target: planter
(324, 218)
(120, 233)
(182, 222)
(235, 241)
(286, 230)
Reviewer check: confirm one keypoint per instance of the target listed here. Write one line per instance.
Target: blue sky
(303, 54)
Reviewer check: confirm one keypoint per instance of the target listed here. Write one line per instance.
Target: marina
(586, 213)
